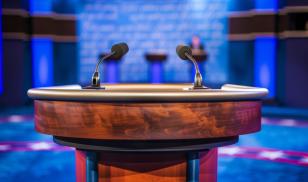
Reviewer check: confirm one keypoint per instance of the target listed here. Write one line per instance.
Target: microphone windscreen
(119, 50)
(181, 50)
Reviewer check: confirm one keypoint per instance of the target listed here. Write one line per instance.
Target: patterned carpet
(278, 153)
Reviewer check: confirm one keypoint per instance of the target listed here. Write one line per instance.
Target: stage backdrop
(153, 26)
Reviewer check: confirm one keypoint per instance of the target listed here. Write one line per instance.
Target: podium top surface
(147, 93)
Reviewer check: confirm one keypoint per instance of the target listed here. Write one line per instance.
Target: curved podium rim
(148, 93)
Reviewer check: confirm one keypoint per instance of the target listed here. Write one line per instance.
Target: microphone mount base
(198, 88)
(94, 87)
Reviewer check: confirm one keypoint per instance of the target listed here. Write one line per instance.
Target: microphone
(185, 53)
(117, 51)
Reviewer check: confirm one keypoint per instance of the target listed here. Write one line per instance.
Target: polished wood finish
(150, 167)
(208, 165)
(80, 158)
(135, 167)
(147, 121)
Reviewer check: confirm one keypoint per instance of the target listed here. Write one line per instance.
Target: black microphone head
(181, 50)
(119, 50)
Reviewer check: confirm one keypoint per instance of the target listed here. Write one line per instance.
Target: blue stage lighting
(42, 50)
(42, 61)
(265, 63)
(39, 6)
(266, 5)
(1, 72)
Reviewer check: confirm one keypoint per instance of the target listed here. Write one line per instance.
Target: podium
(156, 59)
(111, 68)
(200, 55)
(147, 132)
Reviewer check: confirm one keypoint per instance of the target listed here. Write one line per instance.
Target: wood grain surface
(80, 158)
(149, 167)
(136, 167)
(208, 165)
(147, 121)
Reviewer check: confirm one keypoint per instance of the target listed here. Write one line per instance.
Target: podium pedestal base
(140, 167)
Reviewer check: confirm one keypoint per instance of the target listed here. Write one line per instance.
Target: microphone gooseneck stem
(102, 59)
(95, 76)
(198, 83)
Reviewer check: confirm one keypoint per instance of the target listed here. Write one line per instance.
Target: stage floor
(278, 153)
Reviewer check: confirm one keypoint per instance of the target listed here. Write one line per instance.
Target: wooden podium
(156, 60)
(200, 55)
(147, 132)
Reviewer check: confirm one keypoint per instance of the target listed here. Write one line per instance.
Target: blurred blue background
(249, 42)
(154, 26)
